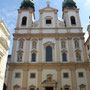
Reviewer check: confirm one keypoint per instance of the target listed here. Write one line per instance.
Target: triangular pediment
(48, 9)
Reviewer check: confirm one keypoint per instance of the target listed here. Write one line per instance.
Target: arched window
(48, 53)
(64, 57)
(34, 45)
(24, 20)
(76, 44)
(33, 57)
(78, 56)
(73, 21)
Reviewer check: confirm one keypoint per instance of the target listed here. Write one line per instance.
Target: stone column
(39, 78)
(14, 50)
(25, 78)
(59, 82)
(9, 81)
(88, 77)
(84, 50)
(73, 78)
(27, 50)
(40, 51)
(57, 50)
(71, 53)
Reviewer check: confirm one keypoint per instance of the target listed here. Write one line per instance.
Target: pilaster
(27, 50)
(88, 77)
(84, 49)
(14, 49)
(18, 20)
(25, 78)
(59, 83)
(9, 81)
(57, 50)
(39, 78)
(73, 78)
(71, 53)
(40, 50)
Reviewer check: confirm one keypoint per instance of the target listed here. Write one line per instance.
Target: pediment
(49, 43)
(48, 9)
(16, 86)
(32, 86)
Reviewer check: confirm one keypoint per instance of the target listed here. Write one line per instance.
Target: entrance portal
(49, 88)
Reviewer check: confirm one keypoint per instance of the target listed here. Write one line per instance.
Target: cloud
(87, 2)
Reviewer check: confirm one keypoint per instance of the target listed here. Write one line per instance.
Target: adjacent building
(48, 54)
(87, 43)
(4, 47)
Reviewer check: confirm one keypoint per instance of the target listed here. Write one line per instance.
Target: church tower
(26, 14)
(71, 14)
(48, 54)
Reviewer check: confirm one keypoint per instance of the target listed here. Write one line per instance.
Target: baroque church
(48, 54)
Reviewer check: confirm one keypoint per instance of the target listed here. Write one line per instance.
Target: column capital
(82, 38)
(72, 68)
(69, 38)
(58, 69)
(28, 38)
(40, 38)
(57, 38)
(15, 38)
(11, 69)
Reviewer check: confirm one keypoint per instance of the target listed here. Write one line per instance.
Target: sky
(8, 12)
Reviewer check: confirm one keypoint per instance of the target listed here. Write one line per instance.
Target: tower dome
(27, 4)
(69, 4)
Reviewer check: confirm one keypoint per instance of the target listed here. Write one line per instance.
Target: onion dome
(27, 4)
(69, 4)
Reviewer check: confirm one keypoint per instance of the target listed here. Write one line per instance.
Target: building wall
(4, 47)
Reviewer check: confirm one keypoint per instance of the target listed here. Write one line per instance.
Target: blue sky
(8, 11)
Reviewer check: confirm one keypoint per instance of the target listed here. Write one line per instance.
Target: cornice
(48, 28)
(4, 29)
(50, 65)
(41, 35)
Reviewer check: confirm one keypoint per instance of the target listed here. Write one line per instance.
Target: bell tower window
(24, 20)
(73, 21)
(48, 21)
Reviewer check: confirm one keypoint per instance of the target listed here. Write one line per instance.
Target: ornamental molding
(41, 35)
(4, 43)
(4, 29)
(49, 28)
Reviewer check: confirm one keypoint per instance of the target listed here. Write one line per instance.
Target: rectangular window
(66, 75)
(80, 74)
(66, 88)
(32, 89)
(32, 75)
(17, 75)
(48, 21)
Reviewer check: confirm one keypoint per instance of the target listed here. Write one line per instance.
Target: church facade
(48, 54)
